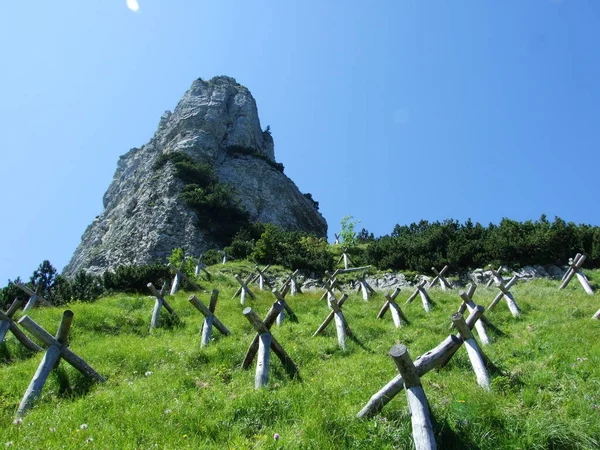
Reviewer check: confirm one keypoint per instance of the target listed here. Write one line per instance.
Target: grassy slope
(547, 396)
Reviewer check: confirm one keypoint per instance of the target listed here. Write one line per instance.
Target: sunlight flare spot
(133, 5)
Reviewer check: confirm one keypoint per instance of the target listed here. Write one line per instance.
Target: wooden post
(496, 276)
(7, 323)
(262, 278)
(244, 289)
(57, 349)
(262, 360)
(286, 308)
(34, 296)
(439, 277)
(159, 303)
(262, 329)
(420, 290)
(180, 275)
(422, 428)
(510, 300)
(268, 322)
(337, 239)
(201, 267)
(390, 303)
(597, 315)
(473, 351)
(340, 322)
(575, 270)
(210, 319)
(468, 303)
(364, 287)
(436, 357)
(291, 285)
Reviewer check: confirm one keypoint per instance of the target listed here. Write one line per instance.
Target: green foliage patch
(164, 391)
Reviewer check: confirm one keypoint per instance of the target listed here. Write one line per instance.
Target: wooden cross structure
(286, 308)
(57, 349)
(262, 278)
(439, 277)
(473, 350)
(422, 429)
(390, 303)
(468, 304)
(575, 270)
(159, 303)
(496, 276)
(420, 290)
(337, 239)
(340, 322)
(210, 320)
(243, 289)
(34, 296)
(346, 258)
(201, 267)
(434, 358)
(291, 285)
(7, 323)
(330, 285)
(510, 299)
(181, 275)
(364, 287)
(262, 343)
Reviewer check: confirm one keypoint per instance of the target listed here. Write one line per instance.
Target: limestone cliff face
(144, 217)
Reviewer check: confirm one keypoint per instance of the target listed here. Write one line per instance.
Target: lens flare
(133, 5)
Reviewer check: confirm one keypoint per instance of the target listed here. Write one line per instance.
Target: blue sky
(390, 111)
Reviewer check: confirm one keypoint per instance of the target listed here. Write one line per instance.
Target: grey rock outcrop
(216, 122)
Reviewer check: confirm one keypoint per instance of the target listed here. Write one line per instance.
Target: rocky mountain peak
(147, 208)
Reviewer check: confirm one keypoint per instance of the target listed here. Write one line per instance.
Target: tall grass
(164, 391)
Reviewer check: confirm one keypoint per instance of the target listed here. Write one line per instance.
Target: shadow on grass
(78, 387)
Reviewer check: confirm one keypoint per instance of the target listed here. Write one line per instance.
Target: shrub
(136, 278)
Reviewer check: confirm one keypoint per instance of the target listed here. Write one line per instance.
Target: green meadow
(164, 391)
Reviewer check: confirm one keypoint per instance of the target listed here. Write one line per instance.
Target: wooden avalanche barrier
(420, 290)
(180, 275)
(158, 304)
(469, 304)
(575, 270)
(422, 429)
(475, 354)
(7, 323)
(340, 322)
(201, 267)
(56, 350)
(510, 299)
(390, 303)
(243, 290)
(263, 341)
(436, 357)
(364, 287)
(286, 308)
(291, 285)
(210, 319)
(34, 296)
(496, 276)
(439, 277)
(331, 284)
(346, 258)
(262, 278)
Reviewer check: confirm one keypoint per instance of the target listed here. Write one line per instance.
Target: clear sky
(390, 111)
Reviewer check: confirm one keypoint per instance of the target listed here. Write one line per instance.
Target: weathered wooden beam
(510, 300)
(262, 360)
(439, 277)
(260, 328)
(268, 322)
(473, 351)
(34, 296)
(239, 290)
(56, 349)
(436, 357)
(422, 429)
(7, 324)
(210, 319)
(573, 270)
(286, 308)
(244, 289)
(329, 317)
(390, 303)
